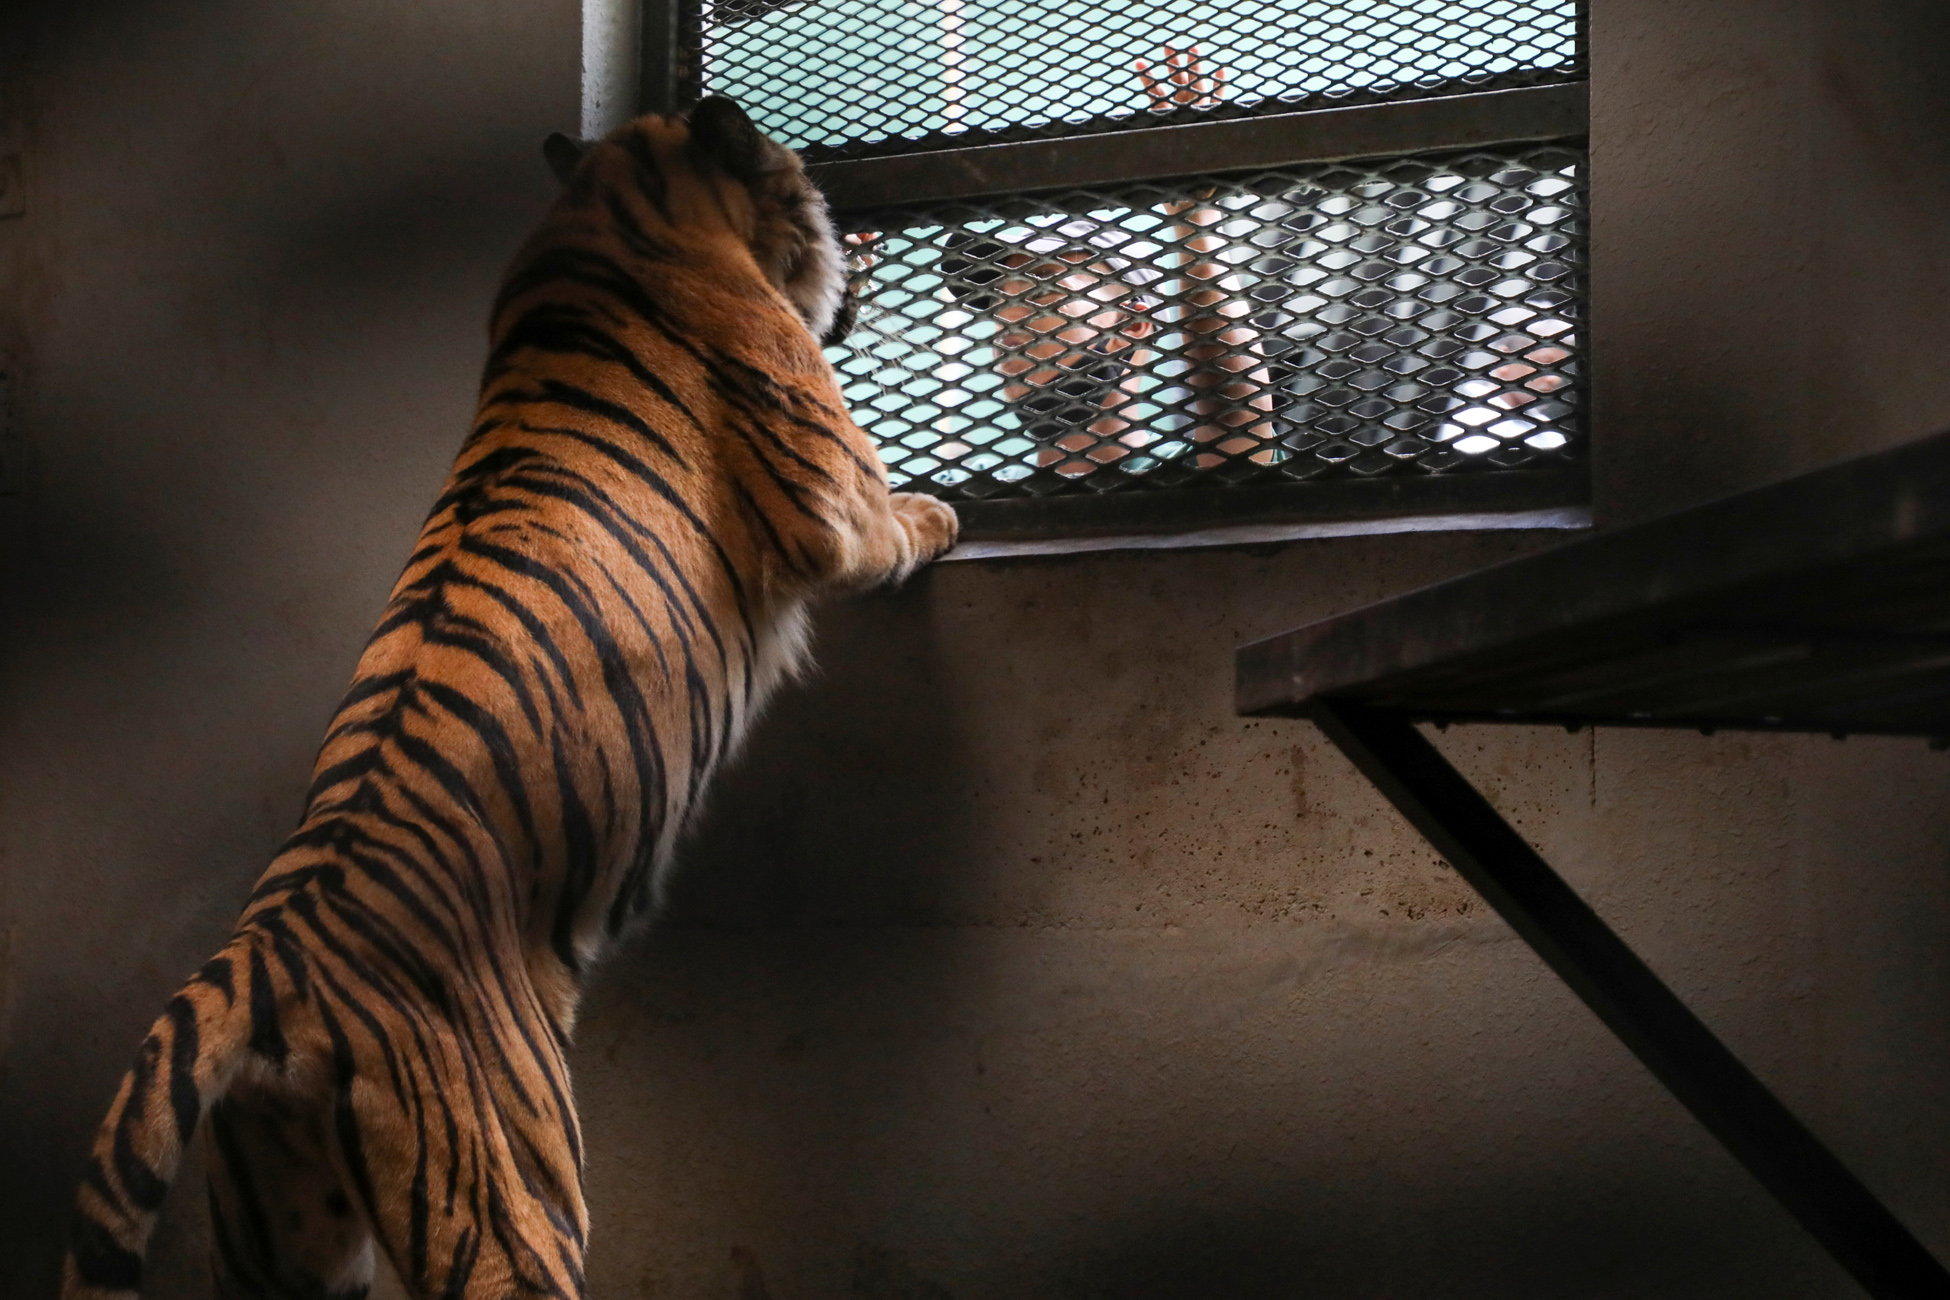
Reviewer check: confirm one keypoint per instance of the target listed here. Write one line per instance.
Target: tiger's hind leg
(282, 1224)
(470, 1157)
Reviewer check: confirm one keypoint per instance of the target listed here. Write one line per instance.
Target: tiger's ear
(563, 153)
(723, 137)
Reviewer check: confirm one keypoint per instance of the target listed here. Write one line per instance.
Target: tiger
(660, 482)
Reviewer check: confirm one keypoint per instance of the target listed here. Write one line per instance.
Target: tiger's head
(784, 222)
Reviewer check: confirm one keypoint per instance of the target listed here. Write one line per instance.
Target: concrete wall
(1010, 964)
(1770, 265)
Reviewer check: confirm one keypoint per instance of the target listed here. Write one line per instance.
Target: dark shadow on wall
(831, 869)
(819, 878)
(1524, 1240)
(97, 565)
(1520, 1242)
(247, 308)
(851, 806)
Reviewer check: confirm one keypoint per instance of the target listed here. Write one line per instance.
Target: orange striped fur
(660, 481)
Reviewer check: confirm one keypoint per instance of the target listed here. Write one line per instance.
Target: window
(1128, 267)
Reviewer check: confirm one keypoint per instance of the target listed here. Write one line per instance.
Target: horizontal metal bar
(1155, 153)
(1548, 519)
(1169, 510)
(1836, 1208)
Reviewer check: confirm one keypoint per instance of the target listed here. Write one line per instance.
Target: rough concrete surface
(1008, 963)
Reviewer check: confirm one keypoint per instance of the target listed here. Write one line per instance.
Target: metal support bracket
(1760, 1132)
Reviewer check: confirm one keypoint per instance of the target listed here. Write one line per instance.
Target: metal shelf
(1817, 604)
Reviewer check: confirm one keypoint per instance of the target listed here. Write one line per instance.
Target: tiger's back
(660, 480)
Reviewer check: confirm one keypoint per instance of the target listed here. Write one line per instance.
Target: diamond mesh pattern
(1407, 316)
(841, 78)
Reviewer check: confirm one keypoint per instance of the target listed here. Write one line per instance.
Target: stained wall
(1009, 963)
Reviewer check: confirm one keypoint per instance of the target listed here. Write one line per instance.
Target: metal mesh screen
(841, 78)
(1409, 316)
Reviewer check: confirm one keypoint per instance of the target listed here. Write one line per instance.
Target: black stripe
(579, 857)
(307, 908)
(267, 1038)
(490, 951)
(257, 1227)
(429, 612)
(184, 1098)
(93, 1175)
(143, 1186)
(600, 507)
(792, 492)
(621, 524)
(637, 239)
(453, 1157)
(524, 1261)
(499, 745)
(284, 946)
(99, 1259)
(651, 182)
(558, 393)
(216, 974)
(410, 1016)
(538, 631)
(749, 382)
(227, 1260)
(445, 773)
(778, 546)
(418, 1211)
(373, 868)
(389, 944)
(460, 1268)
(785, 449)
(594, 271)
(345, 1116)
(618, 680)
(563, 330)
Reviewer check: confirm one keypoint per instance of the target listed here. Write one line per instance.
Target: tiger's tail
(184, 1065)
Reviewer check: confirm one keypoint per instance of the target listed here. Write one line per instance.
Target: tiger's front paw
(929, 523)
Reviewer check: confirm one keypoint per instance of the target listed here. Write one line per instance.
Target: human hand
(1180, 83)
(858, 246)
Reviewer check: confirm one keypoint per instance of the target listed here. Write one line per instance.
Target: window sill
(1255, 513)
(1553, 518)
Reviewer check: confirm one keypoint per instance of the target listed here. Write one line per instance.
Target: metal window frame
(667, 82)
(865, 192)
(1318, 135)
